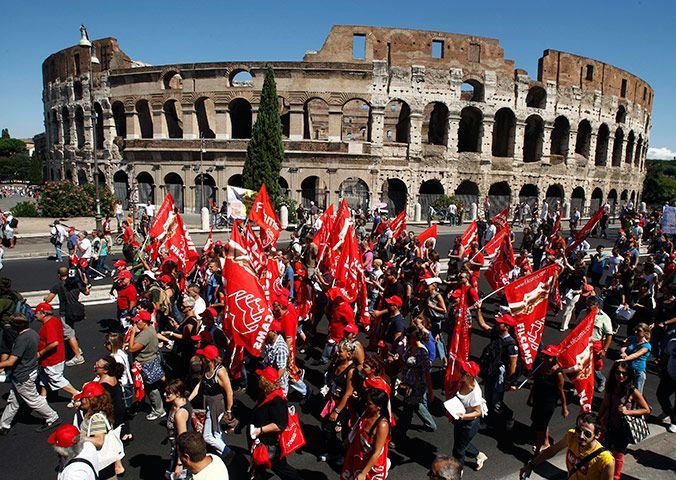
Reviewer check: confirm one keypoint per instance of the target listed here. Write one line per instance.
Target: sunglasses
(621, 373)
(587, 434)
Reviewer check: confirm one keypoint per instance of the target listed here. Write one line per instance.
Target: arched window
(621, 115)
(173, 184)
(312, 190)
(283, 187)
(77, 90)
(554, 196)
(629, 152)
(577, 199)
(240, 118)
(146, 188)
(82, 177)
(316, 116)
(355, 192)
(356, 123)
(639, 151)
(500, 195)
(398, 120)
(559, 138)
(533, 138)
(430, 190)
(529, 194)
(205, 191)
(395, 194)
(583, 138)
(55, 124)
(79, 127)
(618, 147)
(121, 187)
(236, 181)
(206, 117)
(612, 200)
(435, 123)
(601, 155)
(65, 121)
(472, 91)
(173, 116)
(469, 130)
(504, 129)
(98, 131)
(468, 193)
(172, 80)
(284, 116)
(119, 119)
(596, 200)
(241, 78)
(537, 97)
(145, 119)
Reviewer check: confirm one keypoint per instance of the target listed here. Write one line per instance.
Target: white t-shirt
(612, 264)
(118, 209)
(121, 357)
(85, 246)
(150, 210)
(200, 307)
(472, 399)
(453, 209)
(215, 471)
(80, 470)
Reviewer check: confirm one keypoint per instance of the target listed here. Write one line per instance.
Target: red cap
(125, 274)
(269, 373)
(505, 318)
(276, 326)
(120, 263)
(211, 311)
(84, 263)
(587, 289)
(204, 336)
(71, 230)
(64, 436)
(394, 300)
(551, 351)
(471, 368)
(43, 307)
(351, 328)
(218, 243)
(90, 389)
(210, 352)
(143, 316)
(164, 278)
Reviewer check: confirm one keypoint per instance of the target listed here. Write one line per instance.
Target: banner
(349, 268)
(398, 224)
(576, 359)
(492, 247)
(164, 219)
(528, 298)
(236, 198)
(324, 230)
(428, 233)
(588, 227)
(503, 263)
(669, 220)
(248, 316)
(500, 220)
(459, 348)
(265, 217)
(335, 240)
(469, 235)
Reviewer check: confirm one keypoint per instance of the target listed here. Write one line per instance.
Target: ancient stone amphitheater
(376, 115)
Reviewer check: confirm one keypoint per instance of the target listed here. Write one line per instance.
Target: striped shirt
(276, 355)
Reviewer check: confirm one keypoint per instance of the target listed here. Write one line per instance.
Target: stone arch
(435, 124)
(596, 200)
(470, 129)
(560, 135)
(240, 78)
(236, 180)
(554, 194)
(312, 190)
(529, 194)
(624, 196)
(173, 184)
(577, 198)
(612, 200)
(172, 80)
(632, 198)
(316, 116)
(283, 186)
(533, 139)
(65, 121)
(77, 90)
(583, 138)
(397, 122)
(500, 196)
(536, 97)
(69, 175)
(204, 197)
(621, 115)
(395, 194)
(639, 151)
(355, 192)
(601, 154)
(629, 151)
(120, 119)
(54, 124)
(468, 192)
(356, 121)
(206, 117)
(145, 118)
(173, 118)
(98, 131)
(472, 90)
(145, 183)
(82, 176)
(121, 187)
(79, 127)
(429, 191)
(618, 148)
(504, 131)
(240, 118)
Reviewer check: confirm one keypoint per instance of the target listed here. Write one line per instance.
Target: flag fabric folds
(586, 230)
(263, 214)
(428, 233)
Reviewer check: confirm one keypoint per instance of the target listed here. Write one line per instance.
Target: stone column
(415, 135)
(519, 134)
(223, 122)
(547, 143)
(254, 114)
(377, 124)
(190, 126)
(330, 185)
(109, 131)
(486, 137)
(572, 137)
(296, 122)
(71, 128)
(453, 124)
(131, 119)
(335, 123)
(159, 123)
(609, 151)
(592, 148)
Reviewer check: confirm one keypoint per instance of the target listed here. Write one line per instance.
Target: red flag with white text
(586, 230)
(321, 238)
(398, 224)
(265, 217)
(209, 243)
(349, 268)
(502, 263)
(163, 219)
(500, 220)
(576, 359)
(469, 235)
(430, 232)
(492, 247)
(459, 348)
(528, 299)
(181, 248)
(338, 234)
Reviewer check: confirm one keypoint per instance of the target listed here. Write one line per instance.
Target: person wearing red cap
(288, 318)
(341, 315)
(547, 389)
(23, 360)
(127, 240)
(127, 298)
(143, 344)
(78, 459)
(275, 353)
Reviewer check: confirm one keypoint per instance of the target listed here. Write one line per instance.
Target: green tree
(659, 185)
(11, 146)
(265, 153)
(65, 199)
(5, 133)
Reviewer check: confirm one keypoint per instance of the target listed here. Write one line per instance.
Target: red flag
(163, 218)
(248, 315)
(349, 269)
(500, 220)
(326, 225)
(398, 224)
(492, 247)
(459, 349)
(176, 239)
(497, 274)
(576, 359)
(588, 227)
(339, 230)
(469, 235)
(256, 251)
(430, 232)
(265, 217)
(527, 298)
(209, 244)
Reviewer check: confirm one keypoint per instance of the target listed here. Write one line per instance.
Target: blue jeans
(57, 251)
(463, 433)
(639, 380)
(214, 440)
(406, 416)
(600, 378)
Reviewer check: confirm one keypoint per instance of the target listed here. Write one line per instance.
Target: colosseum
(376, 115)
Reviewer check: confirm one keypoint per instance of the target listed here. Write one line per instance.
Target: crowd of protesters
(172, 349)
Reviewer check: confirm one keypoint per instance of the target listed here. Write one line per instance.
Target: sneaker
(323, 457)
(98, 277)
(75, 361)
(671, 428)
(155, 416)
(480, 459)
(48, 426)
(301, 373)
(664, 418)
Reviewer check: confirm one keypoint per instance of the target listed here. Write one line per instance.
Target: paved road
(25, 453)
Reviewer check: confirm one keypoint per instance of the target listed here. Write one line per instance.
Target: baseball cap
(351, 328)
(90, 389)
(551, 351)
(150, 274)
(218, 243)
(164, 278)
(505, 318)
(84, 263)
(211, 311)
(269, 373)
(210, 352)
(276, 326)
(43, 307)
(204, 336)
(394, 300)
(120, 263)
(125, 274)
(470, 368)
(143, 316)
(64, 436)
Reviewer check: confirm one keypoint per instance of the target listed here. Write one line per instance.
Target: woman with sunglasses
(179, 421)
(635, 353)
(582, 444)
(621, 398)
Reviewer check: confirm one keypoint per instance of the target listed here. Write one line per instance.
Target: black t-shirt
(397, 288)
(397, 325)
(275, 411)
(69, 291)
(119, 410)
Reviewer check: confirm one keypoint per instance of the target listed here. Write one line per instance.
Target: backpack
(24, 309)
(491, 358)
(14, 222)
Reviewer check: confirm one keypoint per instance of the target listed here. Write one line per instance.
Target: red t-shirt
(342, 315)
(289, 322)
(127, 236)
(125, 296)
(52, 331)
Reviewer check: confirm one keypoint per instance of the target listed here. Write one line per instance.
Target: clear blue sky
(637, 35)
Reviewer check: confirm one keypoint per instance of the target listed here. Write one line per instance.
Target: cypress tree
(265, 152)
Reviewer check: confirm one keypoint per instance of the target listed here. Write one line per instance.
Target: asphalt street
(26, 454)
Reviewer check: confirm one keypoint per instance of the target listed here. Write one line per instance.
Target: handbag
(292, 438)
(636, 428)
(112, 449)
(198, 418)
(152, 371)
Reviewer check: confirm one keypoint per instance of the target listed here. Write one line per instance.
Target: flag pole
(529, 376)
(89, 266)
(488, 296)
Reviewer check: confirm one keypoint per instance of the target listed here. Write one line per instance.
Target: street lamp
(85, 42)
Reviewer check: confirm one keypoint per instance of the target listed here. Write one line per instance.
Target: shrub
(65, 199)
(25, 209)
